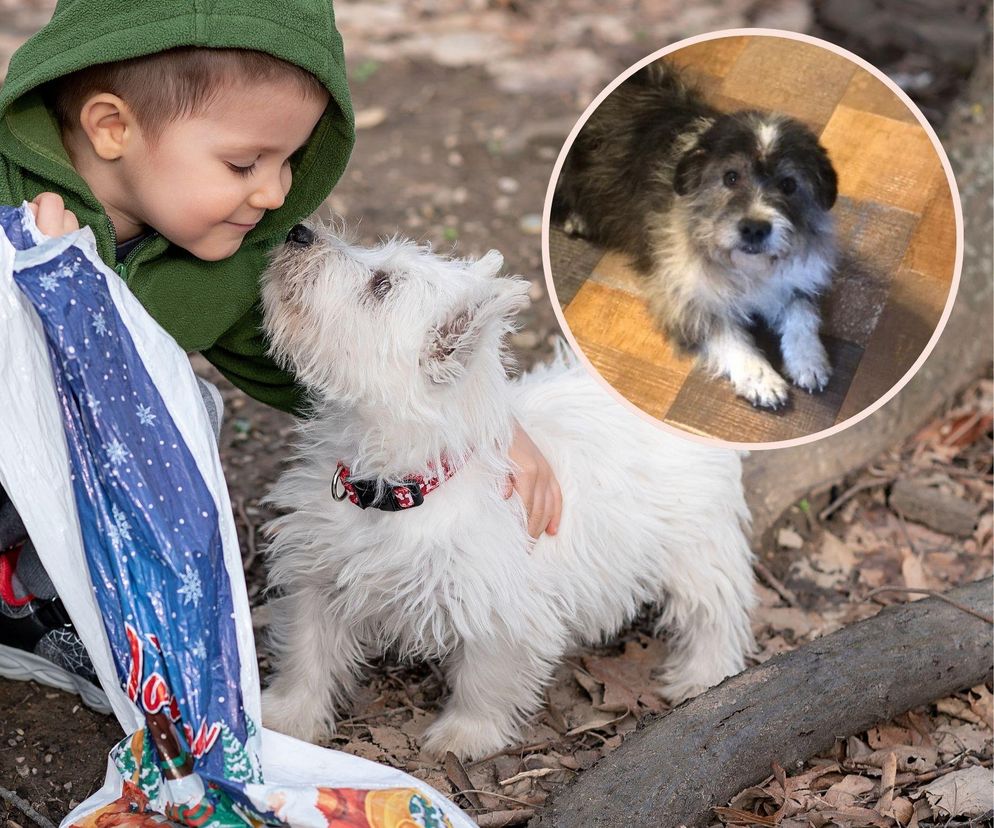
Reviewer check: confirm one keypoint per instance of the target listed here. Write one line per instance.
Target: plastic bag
(108, 456)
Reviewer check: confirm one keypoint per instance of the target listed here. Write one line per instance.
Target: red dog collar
(363, 493)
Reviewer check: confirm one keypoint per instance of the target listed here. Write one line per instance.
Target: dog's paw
(762, 386)
(810, 371)
(467, 737)
(679, 692)
(680, 682)
(295, 717)
(574, 225)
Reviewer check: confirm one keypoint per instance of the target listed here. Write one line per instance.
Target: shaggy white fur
(402, 350)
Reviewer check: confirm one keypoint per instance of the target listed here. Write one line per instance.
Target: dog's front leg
(730, 351)
(805, 359)
(496, 684)
(316, 656)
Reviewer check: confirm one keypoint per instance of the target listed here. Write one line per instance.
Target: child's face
(210, 178)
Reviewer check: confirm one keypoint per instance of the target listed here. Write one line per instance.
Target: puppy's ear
(826, 182)
(451, 345)
(489, 264)
(689, 170)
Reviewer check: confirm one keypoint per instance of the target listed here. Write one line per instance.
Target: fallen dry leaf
(735, 816)
(835, 555)
(914, 574)
(599, 720)
(787, 618)
(982, 703)
(852, 817)
(913, 759)
(627, 678)
(889, 735)
(850, 790)
(952, 740)
(787, 538)
(968, 792)
(958, 709)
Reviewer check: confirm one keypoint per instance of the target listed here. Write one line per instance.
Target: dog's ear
(689, 170)
(826, 182)
(488, 265)
(451, 345)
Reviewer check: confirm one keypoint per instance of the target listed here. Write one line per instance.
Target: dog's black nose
(299, 234)
(753, 231)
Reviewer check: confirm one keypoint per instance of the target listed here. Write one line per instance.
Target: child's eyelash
(243, 171)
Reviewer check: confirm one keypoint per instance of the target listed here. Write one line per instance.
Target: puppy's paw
(574, 225)
(468, 737)
(683, 679)
(674, 693)
(810, 368)
(295, 716)
(761, 385)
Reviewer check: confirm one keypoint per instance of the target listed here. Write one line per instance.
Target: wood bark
(675, 768)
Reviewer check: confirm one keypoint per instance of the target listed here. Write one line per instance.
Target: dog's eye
(380, 284)
(730, 178)
(787, 185)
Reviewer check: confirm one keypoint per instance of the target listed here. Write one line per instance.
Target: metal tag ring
(336, 484)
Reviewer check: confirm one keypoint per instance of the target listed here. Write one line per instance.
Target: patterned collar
(410, 493)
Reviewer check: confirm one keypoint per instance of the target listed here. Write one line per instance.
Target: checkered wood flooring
(896, 233)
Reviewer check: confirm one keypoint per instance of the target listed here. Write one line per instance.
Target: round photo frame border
(957, 215)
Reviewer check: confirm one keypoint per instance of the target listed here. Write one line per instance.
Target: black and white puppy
(726, 214)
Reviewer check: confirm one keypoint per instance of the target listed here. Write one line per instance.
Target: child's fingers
(51, 215)
(69, 222)
(537, 515)
(555, 509)
(508, 487)
(50, 210)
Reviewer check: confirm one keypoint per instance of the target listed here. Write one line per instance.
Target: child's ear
(108, 124)
(452, 344)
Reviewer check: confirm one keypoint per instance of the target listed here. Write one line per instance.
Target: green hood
(207, 306)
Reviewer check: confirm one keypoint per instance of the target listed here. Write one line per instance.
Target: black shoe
(39, 643)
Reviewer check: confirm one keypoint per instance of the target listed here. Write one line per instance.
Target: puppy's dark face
(756, 186)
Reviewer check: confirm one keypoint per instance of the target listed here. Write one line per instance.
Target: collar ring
(338, 491)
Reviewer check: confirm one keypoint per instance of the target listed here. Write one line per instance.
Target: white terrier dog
(402, 351)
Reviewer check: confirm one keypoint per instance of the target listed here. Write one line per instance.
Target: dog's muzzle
(300, 234)
(754, 234)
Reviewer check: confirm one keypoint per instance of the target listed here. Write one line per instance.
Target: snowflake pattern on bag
(149, 523)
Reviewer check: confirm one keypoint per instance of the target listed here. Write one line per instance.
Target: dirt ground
(462, 109)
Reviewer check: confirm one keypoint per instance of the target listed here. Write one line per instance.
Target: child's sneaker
(39, 643)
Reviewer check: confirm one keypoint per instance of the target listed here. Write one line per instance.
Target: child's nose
(270, 194)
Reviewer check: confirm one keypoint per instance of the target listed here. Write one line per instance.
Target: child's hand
(51, 215)
(535, 484)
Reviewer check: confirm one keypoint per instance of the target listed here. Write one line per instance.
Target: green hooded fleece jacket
(211, 307)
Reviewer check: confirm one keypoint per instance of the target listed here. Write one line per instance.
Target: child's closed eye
(243, 171)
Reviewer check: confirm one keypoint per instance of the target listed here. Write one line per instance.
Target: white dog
(402, 351)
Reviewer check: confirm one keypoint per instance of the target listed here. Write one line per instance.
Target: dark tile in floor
(572, 260)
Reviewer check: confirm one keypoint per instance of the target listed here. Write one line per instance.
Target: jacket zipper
(122, 267)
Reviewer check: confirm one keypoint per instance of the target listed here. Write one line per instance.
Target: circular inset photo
(753, 236)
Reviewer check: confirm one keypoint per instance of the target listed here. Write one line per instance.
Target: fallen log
(675, 768)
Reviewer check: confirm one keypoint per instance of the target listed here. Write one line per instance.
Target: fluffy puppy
(402, 352)
(726, 214)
